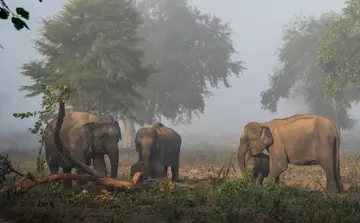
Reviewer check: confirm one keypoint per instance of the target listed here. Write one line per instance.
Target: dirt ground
(200, 164)
(227, 201)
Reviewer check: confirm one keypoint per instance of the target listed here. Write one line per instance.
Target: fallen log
(112, 182)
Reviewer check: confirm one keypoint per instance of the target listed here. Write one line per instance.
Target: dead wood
(67, 176)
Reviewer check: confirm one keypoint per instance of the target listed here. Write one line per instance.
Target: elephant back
(80, 116)
(170, 141)
(165, 131)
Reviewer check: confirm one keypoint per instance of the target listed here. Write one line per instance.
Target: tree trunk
(129, 133)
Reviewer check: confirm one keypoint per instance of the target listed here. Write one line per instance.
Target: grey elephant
(258, 165)
(87, 137)
(302, 139)
(159, 148)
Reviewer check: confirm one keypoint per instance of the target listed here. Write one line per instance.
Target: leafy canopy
(192, 52)
(299, 75)
(92, 47)
(339, 50)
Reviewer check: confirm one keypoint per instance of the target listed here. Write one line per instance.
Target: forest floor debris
(300, 197)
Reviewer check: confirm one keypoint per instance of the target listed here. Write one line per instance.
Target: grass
(299, 198)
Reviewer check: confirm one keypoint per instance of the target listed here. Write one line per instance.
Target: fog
(258, 27)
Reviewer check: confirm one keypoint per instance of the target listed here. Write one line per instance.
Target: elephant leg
(175, 173)
(277, 179)
(259, 180)
(82, 159)
(277, 167)
(166, 172)
(67, 183)
(99, 164)
(54, 168)
(80, 183)
(331, 184)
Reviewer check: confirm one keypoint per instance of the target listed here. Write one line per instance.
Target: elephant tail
(337, 159)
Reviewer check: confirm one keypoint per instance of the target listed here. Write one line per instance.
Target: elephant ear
(253, 132)
(88, 136)
(88, 133)
(266, 136)
(118, 128)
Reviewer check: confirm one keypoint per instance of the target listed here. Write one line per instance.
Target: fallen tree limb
(17, 184)
(68, 176)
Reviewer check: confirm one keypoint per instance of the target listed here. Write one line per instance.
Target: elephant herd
(302, 139)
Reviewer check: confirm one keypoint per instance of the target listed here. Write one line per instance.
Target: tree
(192, 52)
(338, 55)
(338, 51)
(92, 47)
(299, 74)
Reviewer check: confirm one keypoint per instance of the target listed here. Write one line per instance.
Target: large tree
(192, 52)
(339, 51)
(91, 46)
(299, 74)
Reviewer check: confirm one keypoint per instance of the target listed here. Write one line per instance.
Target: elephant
(159, 148)
(258, 165)
(87, 137)
(301, 139)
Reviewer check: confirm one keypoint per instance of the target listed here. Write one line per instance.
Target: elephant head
(102, 137)
(147, 145)
(255, 138)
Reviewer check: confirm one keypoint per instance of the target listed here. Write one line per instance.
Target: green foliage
(192, 52)
(4, 169)
(226, 201)
(18, 23)
(92, 47)
(299, 74)
(51, 96)
(100, 57)
(339, 49)
(231, 201)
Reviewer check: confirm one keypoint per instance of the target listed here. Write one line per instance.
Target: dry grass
(299, 199)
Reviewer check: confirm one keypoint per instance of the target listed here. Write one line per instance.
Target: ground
(299, 198)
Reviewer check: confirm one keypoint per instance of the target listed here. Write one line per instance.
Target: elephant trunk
(114, 162)
(243, 149)
(145, 160)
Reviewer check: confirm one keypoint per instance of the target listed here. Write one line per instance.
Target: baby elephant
(258, 166)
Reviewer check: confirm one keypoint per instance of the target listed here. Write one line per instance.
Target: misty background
(257, 27)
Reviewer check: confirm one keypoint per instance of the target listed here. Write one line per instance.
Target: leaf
(18, 23)
(4, 14)
(23, 13)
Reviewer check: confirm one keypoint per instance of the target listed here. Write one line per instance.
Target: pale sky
(258, 27)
